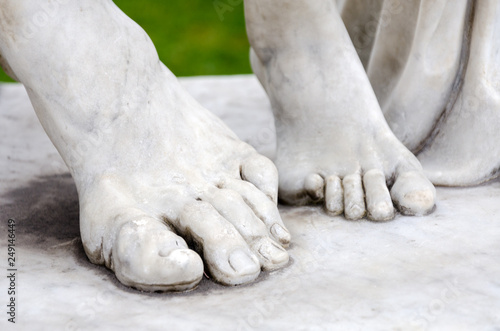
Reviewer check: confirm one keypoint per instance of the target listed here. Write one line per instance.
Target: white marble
(438, 272)
(333, 143)
(434, 65)
(413, 53)
(154, 170)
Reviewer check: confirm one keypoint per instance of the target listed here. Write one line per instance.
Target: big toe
(413, 194)
(150, 257)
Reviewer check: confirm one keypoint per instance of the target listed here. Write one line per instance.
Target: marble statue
(162, 171)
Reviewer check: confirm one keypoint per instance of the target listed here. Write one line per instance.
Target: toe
(264, 209)
(272, 255)
(148, 256)
(413, 193)
(228, 258)
(378, 199)
(314, 186)
(233, 208)
(334, 196)
(261, 172)
(354, 198)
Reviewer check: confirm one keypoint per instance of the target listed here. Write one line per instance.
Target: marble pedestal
(439, 272)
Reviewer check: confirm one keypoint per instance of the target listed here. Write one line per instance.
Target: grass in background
(190, 37)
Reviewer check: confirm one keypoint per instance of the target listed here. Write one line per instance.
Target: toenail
(280, 233)
(382, 212)
(354, 212)
(315, 185)
(272, 252)
(242, 263)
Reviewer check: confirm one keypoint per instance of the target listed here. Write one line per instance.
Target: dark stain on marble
(45, 210)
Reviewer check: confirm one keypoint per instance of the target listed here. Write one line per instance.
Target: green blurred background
(193, 37)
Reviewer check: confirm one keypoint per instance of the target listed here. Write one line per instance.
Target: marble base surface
(439, 272)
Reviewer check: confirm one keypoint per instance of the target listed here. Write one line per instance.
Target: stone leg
(334, 144)
(153, 169)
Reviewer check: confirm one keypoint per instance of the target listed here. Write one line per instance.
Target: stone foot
(155, 171)
(334, 145)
